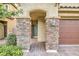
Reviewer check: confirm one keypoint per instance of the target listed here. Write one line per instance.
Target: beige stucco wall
(50, 8)
(69, 13)
(69, 4)
(11, 24)
(41, 31)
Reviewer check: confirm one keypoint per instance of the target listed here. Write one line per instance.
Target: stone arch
(37, 13)
(38, 18)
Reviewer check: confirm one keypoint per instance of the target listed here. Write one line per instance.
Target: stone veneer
(23, 32)
(52, 29)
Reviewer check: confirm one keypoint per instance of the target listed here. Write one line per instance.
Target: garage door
(69, 32)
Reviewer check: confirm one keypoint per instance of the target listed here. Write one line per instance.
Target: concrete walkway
(65, 50)
(62, 51)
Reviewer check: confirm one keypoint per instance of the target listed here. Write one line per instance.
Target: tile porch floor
(39, 50)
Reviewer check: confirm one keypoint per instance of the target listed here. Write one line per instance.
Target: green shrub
(10, 50)
(11, 39)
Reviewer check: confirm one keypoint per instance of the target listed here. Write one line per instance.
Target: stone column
(52, 30)
(23, 32)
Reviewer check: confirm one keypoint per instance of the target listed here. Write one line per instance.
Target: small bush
(10, 50)
(11, 39)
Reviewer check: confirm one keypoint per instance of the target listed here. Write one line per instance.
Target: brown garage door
(69, 32)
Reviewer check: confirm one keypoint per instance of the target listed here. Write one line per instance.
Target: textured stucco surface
(50, 8)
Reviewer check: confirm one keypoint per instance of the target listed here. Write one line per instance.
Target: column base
(27, 50)
(52, 51)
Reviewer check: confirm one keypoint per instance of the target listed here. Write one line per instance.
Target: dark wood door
(69, 32)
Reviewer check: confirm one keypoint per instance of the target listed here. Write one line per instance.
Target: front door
(35, 29)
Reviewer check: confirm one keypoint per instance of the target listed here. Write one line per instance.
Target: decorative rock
(52, 34)
(23, 33)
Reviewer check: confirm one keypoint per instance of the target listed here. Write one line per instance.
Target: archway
(38, 31)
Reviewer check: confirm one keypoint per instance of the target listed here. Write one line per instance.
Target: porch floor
(39, 50)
